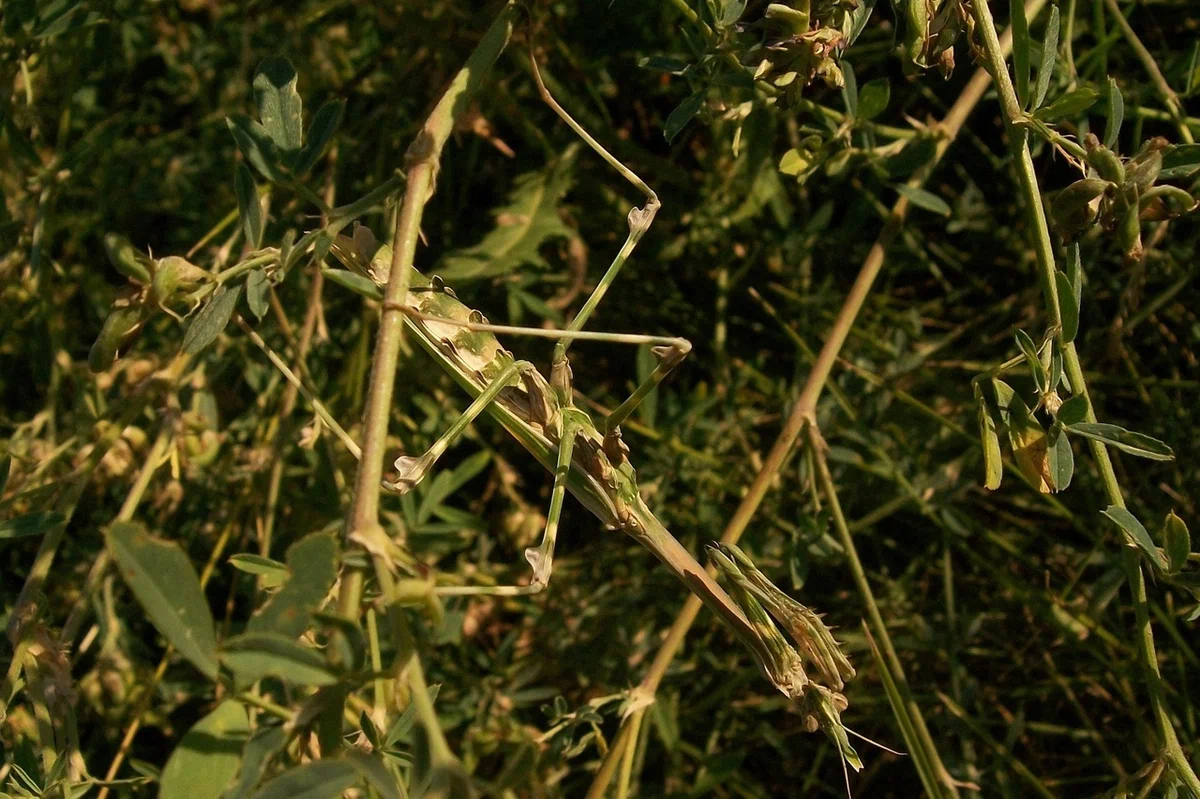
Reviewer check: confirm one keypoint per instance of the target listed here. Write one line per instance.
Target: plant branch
(1031, 193)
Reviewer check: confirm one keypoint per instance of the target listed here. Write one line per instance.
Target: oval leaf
(924, 199)
(1069, 105)
(272, 571)
(207, 757)
(873, 98)
(1073, 410)
(252, 656)
(1180, 161)
(325, 122)
(313, 562)
(682, 115)
(258, 288)
(1029, 350)
(165, 583)
(1060, 460)
(1135, 533)
(993, 466)
(279, 104)
(1137, 444)
(1068, 307)
(1116, 115)
(211, 320)
(1049, 56)
(249, 207)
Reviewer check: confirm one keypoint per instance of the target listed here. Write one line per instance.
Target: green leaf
(1116, 114)
(313, 562)
(359, 284)
(1137, 444)
(1180, 161)
(30, 524)
(924, 199)
(5, 466)
(272, 571)
(375, 772)
(1029, 350)
(211, 320)
(527, 221)
(1060, 460)
(262, 746)
(873, 98)
(683, 113)
(324, 124)
(662, 63)
(1049, 56)
(165, 583)
(1177, 542)
(279, 104)
(856, 20)
(1068, 307)
(321, 779)
(249, 207)
(849, 89)
(258, 289)
(793, 163)
(993, 465)
(207, 757)
(1020, 49)
(1135, 533)
(252, 656)
(256, 146)
(1074, 410)
(1070, 104)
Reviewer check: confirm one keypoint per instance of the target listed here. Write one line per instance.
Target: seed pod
(1164, 202)
(1104, 161)
(916, 34)
(1129, 235)
(121, 329)
(126, 259)
(1076, 206)
(173, 275)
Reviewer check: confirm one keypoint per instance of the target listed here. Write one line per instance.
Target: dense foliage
(146, 148)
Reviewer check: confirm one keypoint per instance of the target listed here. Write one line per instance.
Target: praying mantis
(588, 458)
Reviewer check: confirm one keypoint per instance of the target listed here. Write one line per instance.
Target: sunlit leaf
(923, 198)
(207, 757)
(1137, 444)
(258, 290)
(313, 563)
(1069, 105)
(279, 104)
(272, 571)
(1116, 114)
(1136, 534)
(252, 656)
(1049, 57)
(249, 207)
(210, 320)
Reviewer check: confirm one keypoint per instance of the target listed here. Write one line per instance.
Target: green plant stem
(1174, 107)
(422, 163)
(802, 411)
(422, 160)
(936, 778)
(1031, 194)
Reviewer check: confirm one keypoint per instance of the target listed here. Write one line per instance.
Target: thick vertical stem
(422, 162)
(1027, 179)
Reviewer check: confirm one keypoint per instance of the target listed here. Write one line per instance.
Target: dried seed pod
(1075, 208)
(1103, 160)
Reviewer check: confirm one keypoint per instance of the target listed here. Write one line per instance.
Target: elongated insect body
(527, 407)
